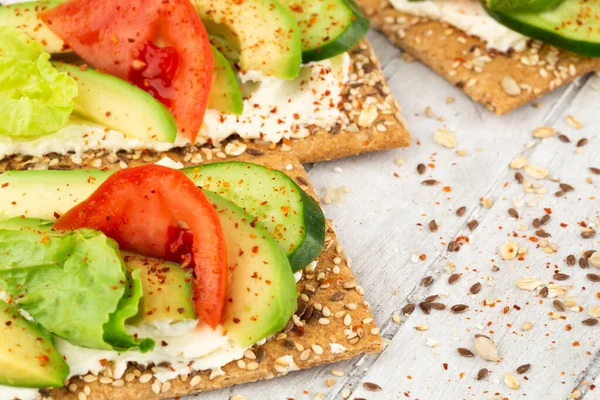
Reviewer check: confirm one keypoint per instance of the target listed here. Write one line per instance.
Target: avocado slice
(264, 31)
(262, 289)
(225, 94)
(119, 105)
(28, 357)
(167, 291)
(23, 16)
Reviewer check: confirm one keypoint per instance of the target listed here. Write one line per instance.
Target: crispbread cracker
(331, 286)
(465, 62)
(374, 123)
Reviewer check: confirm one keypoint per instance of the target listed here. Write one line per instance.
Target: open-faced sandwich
(502, 53)
(139, 284)
(85, 75)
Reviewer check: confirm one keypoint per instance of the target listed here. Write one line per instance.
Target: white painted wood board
(382, 224)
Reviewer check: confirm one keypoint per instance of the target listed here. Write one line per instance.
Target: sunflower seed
(511, 381)
(486, 349)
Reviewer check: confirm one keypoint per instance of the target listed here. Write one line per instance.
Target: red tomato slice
(158, 212)
(158, 45)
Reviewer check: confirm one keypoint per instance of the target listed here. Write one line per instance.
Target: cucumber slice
(225, 94)
(328, 27)
(573, 25)
(292, 217)
(522, 5)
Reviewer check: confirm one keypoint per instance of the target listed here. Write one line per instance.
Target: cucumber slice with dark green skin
(225, 94)
(521, 5)
(328, 27)
(292, 217)
(573, 25)
(288, 214)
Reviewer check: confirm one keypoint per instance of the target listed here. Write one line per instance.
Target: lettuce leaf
(74, 284)
(35, 99)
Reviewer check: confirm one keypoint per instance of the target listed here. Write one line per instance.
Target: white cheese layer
(14, 393)
(468, 16)
(200, 348)
(274, 109)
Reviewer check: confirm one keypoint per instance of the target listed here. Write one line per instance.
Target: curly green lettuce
(35, 98)
(74, 284)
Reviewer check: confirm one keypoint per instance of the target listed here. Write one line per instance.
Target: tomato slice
(159, 212)
(158, 45)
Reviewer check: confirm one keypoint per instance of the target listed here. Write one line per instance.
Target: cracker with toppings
(332, 323)
(501, 82)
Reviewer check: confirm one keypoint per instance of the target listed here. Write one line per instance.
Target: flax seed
(372, 387)
(427, 281)
(433, 226)
(590, 321)
(523, 368)
(593, 277)
(461, 211)
(513, 213)
(483, 372)
(453, 278)
(408, 309)
(421, 169)
(558, 305)
(475, 288)
(561, 277)
(459, 308)
(429, 182)
(425, 307)
(465, 352)
(571, 260)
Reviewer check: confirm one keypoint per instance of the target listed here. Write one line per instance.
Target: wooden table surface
(383, 223)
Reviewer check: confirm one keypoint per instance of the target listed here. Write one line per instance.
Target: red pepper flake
(447, 189)
(4, 185)
(445, 365)
(568, 327)
(576, 344)
(104, 362)
(423, 257)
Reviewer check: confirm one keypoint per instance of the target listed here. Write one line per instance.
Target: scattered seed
(558, 305)
(560, 277)
(511, 381)
(422, 327)
(590, 321)
(510, 86)
(475, 288)
(483, 372)
(526, 326)
(429, 182)
(544, 291)
(421, 169)
(564, 138)
(433, 226)
(472, 225)
(513, 213)
(593, 277)
(544, 220)
(588, 233)
(485, 348)
(338, 296)
(408, 309)
(431, 298)
(542, 233)
(588, 254)
(543, 132)
(444, 138)
(465, 352)
(566, 187)
(453, 278)
(461, 211)
(595, 171)
(437, 306)
(582, 142)
(519, 177)
(536, 223)
(571, 260)
(453, 246)
(523, 368)
(461, 308)
(425, 307)
(427, 281)
(372, 387)
(583, 263)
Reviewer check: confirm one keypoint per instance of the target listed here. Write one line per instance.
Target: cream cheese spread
(274, 109)
(468, 16)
